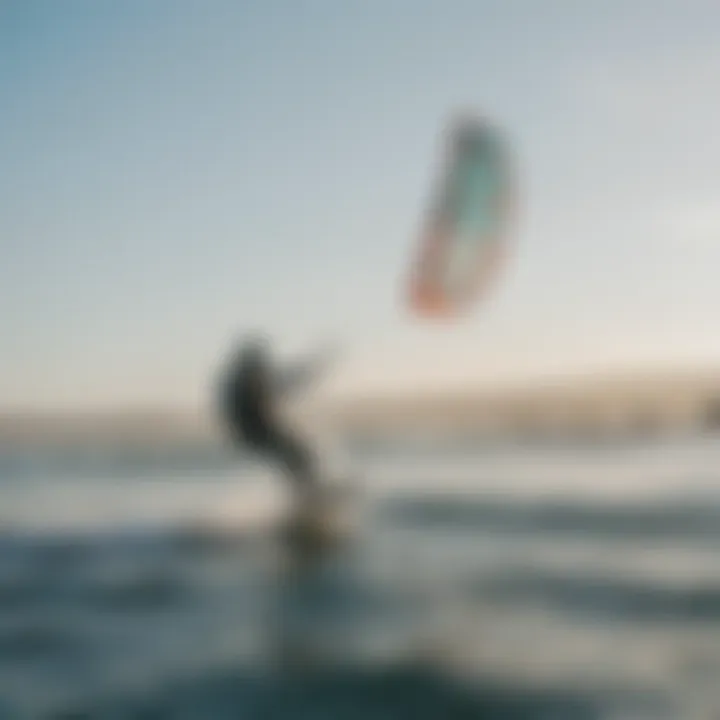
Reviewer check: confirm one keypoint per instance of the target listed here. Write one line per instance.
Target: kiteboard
(463, 238)
(327, 521)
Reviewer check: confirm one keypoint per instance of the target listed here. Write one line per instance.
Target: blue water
(499, 582)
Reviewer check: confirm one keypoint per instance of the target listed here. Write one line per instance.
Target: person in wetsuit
(250, 393)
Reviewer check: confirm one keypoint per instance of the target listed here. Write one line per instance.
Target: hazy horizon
(327, 395)
(177, 171)
(690, 391)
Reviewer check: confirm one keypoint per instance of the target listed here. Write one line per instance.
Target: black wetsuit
(249, 408)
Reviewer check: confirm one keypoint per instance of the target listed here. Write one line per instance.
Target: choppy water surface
(502, 583)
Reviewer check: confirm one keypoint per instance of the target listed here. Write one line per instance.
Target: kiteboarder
(251, 392)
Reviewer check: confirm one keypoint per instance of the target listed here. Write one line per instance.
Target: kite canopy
(463, 239)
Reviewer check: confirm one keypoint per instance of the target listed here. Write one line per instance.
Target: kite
(464, 236)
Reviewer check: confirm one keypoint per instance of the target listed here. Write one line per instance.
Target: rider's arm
(300, 375)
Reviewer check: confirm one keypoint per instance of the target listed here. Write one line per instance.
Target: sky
(175, 172)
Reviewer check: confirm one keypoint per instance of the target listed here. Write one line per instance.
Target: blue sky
(175, 171)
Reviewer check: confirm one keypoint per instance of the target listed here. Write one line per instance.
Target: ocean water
(502, 581)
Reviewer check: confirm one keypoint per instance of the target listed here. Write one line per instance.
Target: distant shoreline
(623, 403)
